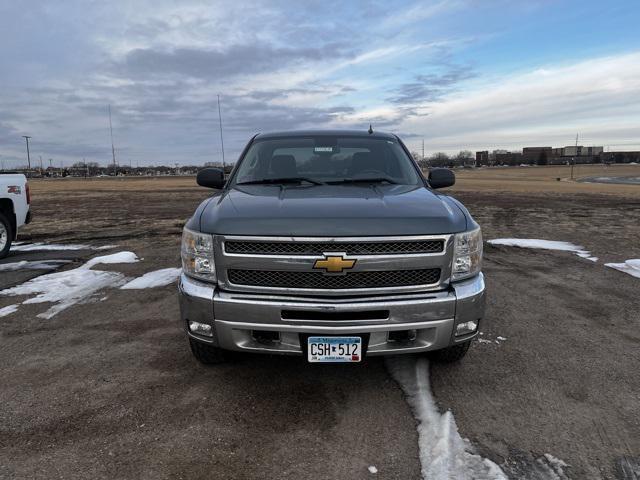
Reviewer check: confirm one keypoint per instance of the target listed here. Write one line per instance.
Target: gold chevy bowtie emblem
(334, 264)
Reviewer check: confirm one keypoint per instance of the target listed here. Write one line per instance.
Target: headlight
(467, 254)
(197, 255)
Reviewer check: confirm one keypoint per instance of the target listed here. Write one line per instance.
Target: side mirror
(441, 178)
(210, 178)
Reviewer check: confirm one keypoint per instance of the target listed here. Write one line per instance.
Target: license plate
(334, 349)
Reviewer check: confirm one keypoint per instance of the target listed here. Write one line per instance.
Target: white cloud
(420, 12)
(598, 98)
(160, 64)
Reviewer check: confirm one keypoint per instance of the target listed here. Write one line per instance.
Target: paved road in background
(613, 180)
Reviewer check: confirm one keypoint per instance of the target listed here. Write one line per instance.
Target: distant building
(620, 157)
(536, 155)
(482, 158)
(504, 157)
(575, 154)
(570, 154)
(577, 151)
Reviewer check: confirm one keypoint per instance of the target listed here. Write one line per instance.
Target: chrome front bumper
(235, 317)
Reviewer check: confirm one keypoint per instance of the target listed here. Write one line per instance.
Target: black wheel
(451, 354)
(6, 236)
(207, 354)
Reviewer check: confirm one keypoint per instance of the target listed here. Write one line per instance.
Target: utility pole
(423, 149)
(40, 165)
(27, 137)
(573, 162)
(221, 139)
(113, 150)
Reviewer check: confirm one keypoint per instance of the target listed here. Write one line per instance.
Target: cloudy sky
(462, 74)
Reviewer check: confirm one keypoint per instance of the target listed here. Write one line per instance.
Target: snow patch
(65, 289)
(8, 310)
(559, 464)
(632, 267)
(550, 467)
(39, 246)
(157, 278)
(443, 452)
(32, 265)
(120, 257)
(544, 245)
(498, 340)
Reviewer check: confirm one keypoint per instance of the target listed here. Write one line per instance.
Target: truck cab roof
(328, 133)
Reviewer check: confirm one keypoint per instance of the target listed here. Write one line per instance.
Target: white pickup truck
(15, 201)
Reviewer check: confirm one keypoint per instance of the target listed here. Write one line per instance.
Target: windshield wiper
(281, 180)
(364, 180)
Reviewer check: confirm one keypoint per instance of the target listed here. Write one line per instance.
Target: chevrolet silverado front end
(330, 245)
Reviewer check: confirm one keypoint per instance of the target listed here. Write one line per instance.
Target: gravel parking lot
(108, 388)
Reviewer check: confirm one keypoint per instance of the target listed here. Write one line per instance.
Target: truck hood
(331, 210)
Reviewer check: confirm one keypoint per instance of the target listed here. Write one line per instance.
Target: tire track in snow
(444, 454)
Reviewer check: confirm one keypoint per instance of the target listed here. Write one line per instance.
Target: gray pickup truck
(331, 245)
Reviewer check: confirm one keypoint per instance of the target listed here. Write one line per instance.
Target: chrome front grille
(287, 265)
(317, 280)
(318, 248)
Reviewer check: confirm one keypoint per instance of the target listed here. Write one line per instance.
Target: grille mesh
(318, 248)
(317, 280)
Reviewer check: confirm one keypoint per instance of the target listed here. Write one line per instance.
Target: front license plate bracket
(304, 344)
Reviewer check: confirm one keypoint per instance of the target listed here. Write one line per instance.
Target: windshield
(327, 159)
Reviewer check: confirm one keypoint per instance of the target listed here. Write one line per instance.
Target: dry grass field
(552, 179)
(555, 179)
(110, 184)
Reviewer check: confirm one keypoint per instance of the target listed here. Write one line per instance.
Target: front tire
(6, 236)
(451, 354)
(207, 354)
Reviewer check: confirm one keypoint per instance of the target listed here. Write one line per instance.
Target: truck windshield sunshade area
(326, 159)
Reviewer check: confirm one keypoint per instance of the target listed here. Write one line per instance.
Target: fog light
(466, 327)
(201, 328)
(403, 336)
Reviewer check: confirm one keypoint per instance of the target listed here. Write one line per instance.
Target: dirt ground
(109, 389)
